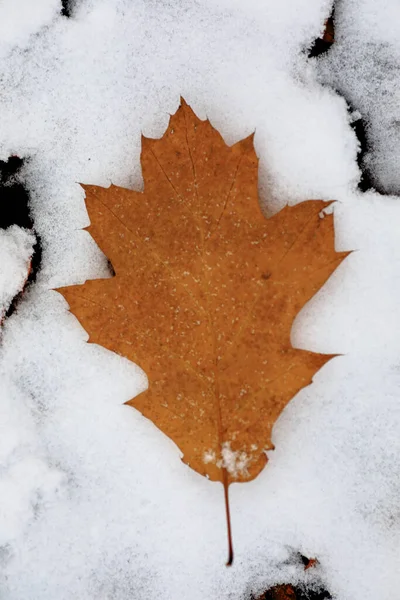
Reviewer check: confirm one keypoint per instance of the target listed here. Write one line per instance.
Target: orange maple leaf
(205, 293)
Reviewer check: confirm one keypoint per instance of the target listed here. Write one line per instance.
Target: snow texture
(364, 65)
(95, 503)
(20, 19)
(16, 249)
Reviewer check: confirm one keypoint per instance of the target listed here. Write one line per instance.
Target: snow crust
(94, 501)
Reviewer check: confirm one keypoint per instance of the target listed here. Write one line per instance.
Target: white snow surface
(364, 65)
(95, 503)
(16, 249)
(19, 19)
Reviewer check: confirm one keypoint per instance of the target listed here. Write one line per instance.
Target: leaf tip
(325, 358)
(90, 190)
(188, 112)
(246, 145)
(63, 291)
(341, 256)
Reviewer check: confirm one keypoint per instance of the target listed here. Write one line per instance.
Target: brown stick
(228, 520)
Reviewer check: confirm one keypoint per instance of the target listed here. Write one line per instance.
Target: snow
(16, 249)
(20, 19)
(235, 462)
(94, 500)
(364, 65)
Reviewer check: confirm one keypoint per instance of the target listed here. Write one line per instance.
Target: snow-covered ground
(95, 503)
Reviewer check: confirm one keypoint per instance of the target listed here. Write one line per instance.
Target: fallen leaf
(290, 592)
(325, 41)
(280, 592)
(205, 293)
(329, 31)
(312, 562)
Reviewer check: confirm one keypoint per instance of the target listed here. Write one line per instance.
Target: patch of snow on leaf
(234, 461)
(209, 457)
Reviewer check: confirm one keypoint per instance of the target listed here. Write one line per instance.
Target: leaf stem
(228, 519)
